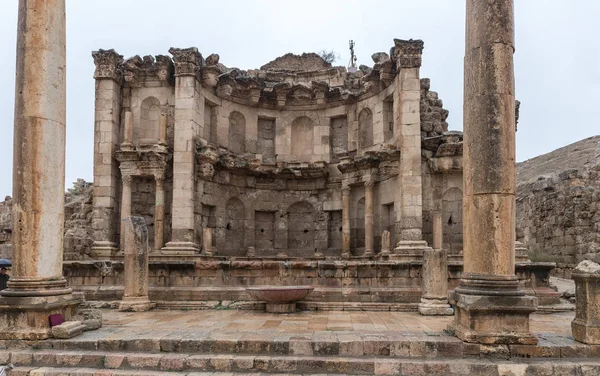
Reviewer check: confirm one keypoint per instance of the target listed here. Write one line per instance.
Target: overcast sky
(557, 59)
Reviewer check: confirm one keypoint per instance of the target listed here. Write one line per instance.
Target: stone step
(44, 362)
(436, 345)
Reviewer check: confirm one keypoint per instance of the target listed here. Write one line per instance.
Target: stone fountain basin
(279, 294)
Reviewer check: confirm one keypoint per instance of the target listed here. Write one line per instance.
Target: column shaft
(345, 221)
(39, 147)
(369, 218)
(159, 216)
(125, 204)
(438, 235)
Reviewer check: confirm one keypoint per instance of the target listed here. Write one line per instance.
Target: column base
(136, 304)
(26, 317)
(180, 248)
(410, 250)
(435, 307)
(585, 332)
(492, 310)
(104, 249)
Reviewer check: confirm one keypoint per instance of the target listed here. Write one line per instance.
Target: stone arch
(302, 137)
(147, 133)
(358, 225)
(234, 226)
(365, 129)
(452, 222)
(237, 133)
(301, 226)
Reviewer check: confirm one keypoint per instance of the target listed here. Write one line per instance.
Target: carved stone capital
(108, 64)
(127, 179)
(407, 53)
(369, 184)
(187, 61)
(345, 189)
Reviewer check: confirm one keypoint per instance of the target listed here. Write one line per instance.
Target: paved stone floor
(162, 322)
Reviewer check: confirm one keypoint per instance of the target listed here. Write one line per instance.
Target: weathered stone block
(68, 329)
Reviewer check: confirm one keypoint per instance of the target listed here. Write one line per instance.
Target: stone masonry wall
(78, 222)
(558, 216)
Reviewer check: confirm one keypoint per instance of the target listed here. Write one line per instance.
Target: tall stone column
(125, 204)
(369, 218)
(107, 118)
(187, 117)
(127, 143)
(490, 306)
(407, 113)
(159, 216)
(345, 220)
(37, 287)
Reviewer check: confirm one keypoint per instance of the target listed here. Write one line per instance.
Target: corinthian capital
(407, 53)
(187, 61)
(108, 64)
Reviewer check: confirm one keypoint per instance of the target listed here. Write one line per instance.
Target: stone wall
(558, 204)
(78, 222)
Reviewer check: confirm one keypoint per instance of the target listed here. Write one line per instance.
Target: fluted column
(369, 218)
(37, 287)
(490, 306)
(159, 216)
(125, 203)
(345, 220)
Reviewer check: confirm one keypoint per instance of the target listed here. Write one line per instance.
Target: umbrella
(5, 262)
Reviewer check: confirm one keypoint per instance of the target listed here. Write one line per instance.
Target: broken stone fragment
(588, 266)
(380, 57)
(212, 59)
(68, 329)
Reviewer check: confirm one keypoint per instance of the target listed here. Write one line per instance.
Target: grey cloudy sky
(557, 59)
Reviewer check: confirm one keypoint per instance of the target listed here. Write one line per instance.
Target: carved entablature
(152, 162)
(250, 166)
(407, 53)
(108, 64)
(137, 70)
(383, 160)
(187, 61)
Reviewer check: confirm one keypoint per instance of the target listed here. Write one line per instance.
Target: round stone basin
(280, 299)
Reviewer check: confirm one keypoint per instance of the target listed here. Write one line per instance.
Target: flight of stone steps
(423, 355)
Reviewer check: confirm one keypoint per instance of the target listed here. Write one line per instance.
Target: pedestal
(586, 325)
(492, 310)
(281, 307)
(410, 250)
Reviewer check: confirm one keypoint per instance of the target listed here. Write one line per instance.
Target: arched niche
(452, 222)
(302, 137)
(234, 227)
(147, 133)
(301, 227)
(237, 133)
(365, 129)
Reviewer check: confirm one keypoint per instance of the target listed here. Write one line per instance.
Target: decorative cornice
(108, 64)
(407, 53)
(188, 61)
(137, 69)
